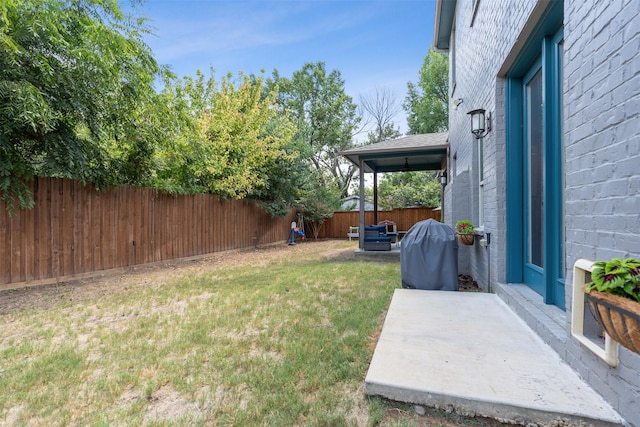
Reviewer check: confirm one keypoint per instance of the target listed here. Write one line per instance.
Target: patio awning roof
(412, 152)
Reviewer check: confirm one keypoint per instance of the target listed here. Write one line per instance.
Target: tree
(381, 107)
(244, 138)
(235, 142)
(427, 101)
(317, 202)
(325, 118)
(284, 183)
(179, 147)
(409, 189)
(75, 81)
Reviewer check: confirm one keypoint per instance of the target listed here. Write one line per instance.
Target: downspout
(442, 217)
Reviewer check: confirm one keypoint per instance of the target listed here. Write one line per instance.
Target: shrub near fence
(338, 225)
(74, 229)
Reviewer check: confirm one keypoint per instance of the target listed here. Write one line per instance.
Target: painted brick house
(557, 176)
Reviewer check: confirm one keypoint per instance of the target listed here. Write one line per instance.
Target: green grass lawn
(278, 337)
(286, 342)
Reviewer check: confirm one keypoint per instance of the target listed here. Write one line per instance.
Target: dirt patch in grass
(47, 296)
(169, 405)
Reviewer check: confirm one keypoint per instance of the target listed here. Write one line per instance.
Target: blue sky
(372, 43)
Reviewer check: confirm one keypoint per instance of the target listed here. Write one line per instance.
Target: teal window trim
(552, 66)
(540, 46)
(550, 22)
(562, 259)
(514, 155)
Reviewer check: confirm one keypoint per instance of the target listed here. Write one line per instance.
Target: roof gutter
(443, 24)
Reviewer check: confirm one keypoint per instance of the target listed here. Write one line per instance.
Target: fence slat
(56, 226)
(69, 218)
(5, 247)
(17, 248)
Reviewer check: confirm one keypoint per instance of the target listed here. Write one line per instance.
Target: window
(534, 167)
(454, 168)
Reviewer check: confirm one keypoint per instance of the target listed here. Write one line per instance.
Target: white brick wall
(601, 137)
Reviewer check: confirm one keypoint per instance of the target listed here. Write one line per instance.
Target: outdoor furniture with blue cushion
(376, 239)
(391, 230)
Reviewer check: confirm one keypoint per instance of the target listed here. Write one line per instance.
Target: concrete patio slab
(392, 255)
(470, 352)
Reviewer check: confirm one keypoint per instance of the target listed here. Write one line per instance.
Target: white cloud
(229, 27)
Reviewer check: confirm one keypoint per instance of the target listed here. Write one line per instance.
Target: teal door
(535, 226)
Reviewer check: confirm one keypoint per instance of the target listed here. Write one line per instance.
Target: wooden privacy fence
(74, 229)
(338, 225)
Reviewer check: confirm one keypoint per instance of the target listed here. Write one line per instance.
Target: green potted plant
(614, 299)
(465, 232)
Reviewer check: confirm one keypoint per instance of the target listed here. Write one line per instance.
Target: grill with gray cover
(429, 257)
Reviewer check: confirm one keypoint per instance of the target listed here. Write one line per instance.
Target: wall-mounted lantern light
(480, 125)
(443, 176)
(406, 167)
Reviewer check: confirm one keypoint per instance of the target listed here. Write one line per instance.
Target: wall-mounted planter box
(607, 352)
